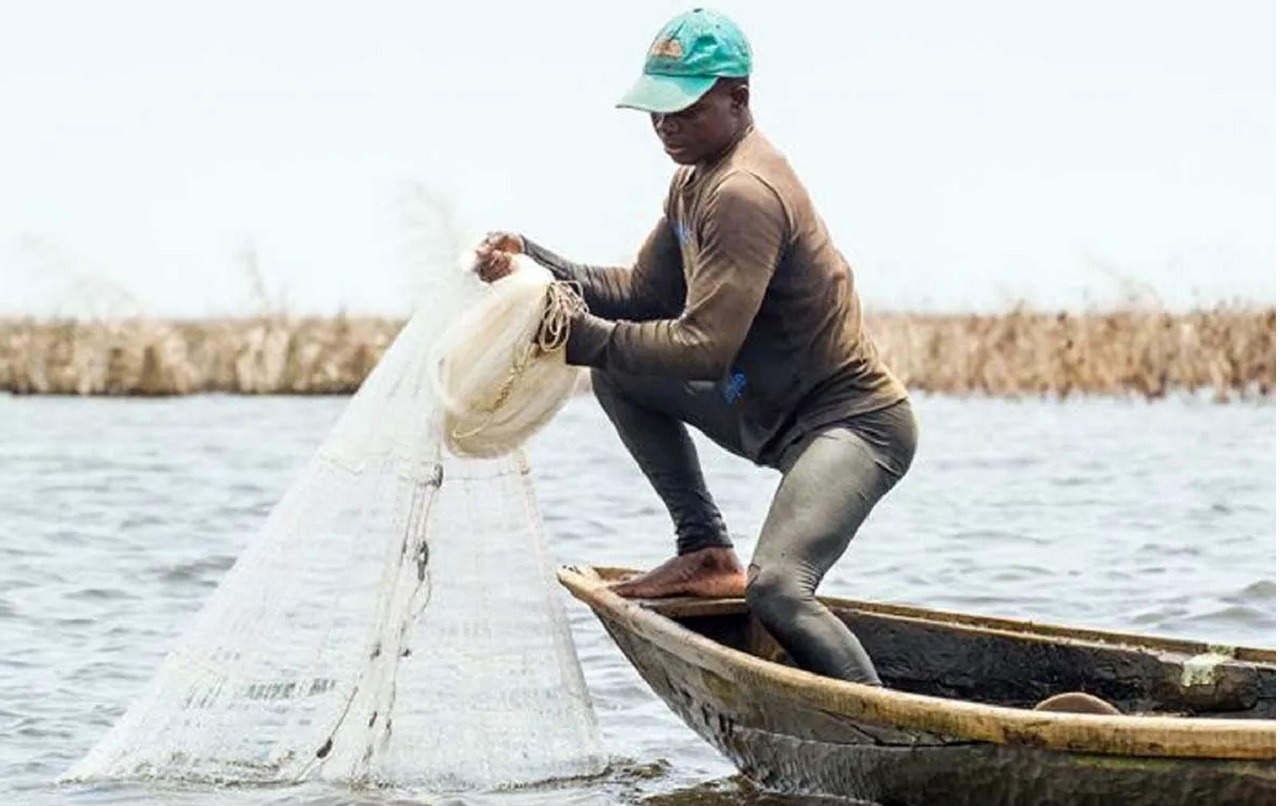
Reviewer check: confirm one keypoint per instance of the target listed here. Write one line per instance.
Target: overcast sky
(965, 155)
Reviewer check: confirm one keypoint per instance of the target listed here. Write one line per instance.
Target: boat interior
(1019, 664)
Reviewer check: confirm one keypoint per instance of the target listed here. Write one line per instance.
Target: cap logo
(668, 48)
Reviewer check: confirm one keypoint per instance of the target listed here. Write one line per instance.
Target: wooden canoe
(954, 724)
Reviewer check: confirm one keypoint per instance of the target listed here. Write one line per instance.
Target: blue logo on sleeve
(735, 387)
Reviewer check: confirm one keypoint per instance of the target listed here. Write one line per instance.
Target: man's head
(694, 85)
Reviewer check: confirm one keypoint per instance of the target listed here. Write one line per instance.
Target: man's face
(705, 129)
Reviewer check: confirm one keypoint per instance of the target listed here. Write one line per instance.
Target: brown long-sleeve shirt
(740, 284)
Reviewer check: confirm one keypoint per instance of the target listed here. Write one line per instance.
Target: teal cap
(685, 59)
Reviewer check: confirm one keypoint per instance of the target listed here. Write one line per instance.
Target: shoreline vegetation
(1231, 352)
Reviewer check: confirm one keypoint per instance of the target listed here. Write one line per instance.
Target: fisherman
(739, 318)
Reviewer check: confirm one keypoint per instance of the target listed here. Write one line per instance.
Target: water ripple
(117, 517)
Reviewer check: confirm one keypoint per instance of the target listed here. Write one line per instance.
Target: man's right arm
(646, 291)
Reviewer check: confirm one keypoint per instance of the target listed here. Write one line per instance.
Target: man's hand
(495, 257)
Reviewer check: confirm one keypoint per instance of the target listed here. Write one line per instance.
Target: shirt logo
(683, 234)
(735, 387)
(668, 48)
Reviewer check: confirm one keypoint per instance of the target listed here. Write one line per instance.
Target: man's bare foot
(711, 573)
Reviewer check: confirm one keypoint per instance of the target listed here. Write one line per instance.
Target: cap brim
(665, 94)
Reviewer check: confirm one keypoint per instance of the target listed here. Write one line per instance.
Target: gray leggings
(831, 480)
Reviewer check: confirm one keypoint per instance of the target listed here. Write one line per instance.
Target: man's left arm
(742, 234)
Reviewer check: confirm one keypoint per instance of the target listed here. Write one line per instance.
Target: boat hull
(792, 746)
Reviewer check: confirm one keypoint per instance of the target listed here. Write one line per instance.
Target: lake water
(118, 518)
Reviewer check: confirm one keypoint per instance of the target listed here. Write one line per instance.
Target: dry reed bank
(1229, 351)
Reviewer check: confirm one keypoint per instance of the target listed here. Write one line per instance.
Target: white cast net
(499, 372)
(396, 621)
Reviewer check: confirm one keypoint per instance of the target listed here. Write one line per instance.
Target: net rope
(396, 620)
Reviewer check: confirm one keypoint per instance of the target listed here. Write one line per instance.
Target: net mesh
(395, 621)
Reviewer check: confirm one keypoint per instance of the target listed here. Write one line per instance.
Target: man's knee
(774, 596)
(614, 387)
(603, 383)
(617, 391)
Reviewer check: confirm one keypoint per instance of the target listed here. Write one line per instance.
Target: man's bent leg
(823, 498)
(650, 415)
